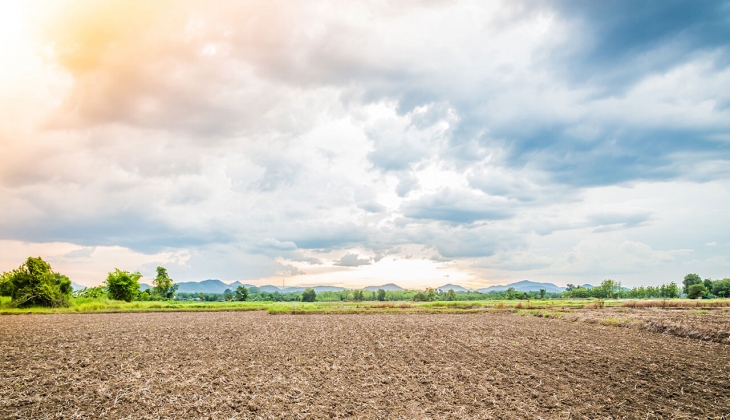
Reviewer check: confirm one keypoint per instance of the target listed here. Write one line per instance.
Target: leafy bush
(696, 290)
(123, 285)
(241, 293)
(6, 287)
(419, 297)
(309, 295)
(35, 283)
(721, 287)
(90, 292)
(690, 280)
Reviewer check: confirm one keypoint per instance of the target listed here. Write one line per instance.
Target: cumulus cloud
(458, 207)
(254, 139)
(352, 260)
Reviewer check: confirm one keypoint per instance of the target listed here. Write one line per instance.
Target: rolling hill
(524, 286)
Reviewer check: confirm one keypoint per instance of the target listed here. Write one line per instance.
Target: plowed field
(252, 365)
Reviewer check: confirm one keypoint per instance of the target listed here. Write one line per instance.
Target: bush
(696, 291)
(419, 297)
(90, 292)
(6, 287)
(241, 293)
(35, 283)
(123, 285)
(309, 295)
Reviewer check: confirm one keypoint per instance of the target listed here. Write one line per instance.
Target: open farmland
(254, 365)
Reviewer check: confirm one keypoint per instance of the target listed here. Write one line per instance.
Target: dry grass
(677, 303)
(595, 305)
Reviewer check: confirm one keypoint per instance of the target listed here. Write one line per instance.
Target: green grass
(542, 308)
(100, 305)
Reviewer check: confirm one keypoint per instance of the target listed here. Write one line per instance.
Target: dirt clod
(246, 365)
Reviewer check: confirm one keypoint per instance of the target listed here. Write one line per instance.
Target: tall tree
(309, 295)
(689, 280)
(241, 293)
(164, 286)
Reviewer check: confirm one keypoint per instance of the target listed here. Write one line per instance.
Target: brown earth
(252, 365)
(709, 325)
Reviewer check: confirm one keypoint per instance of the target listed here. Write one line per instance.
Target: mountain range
(524, 286)
(217, 286)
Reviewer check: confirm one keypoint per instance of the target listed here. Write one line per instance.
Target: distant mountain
(144, 287)
(390, 287)
(524, 286)
(300, 289)
(77, 286)
(208, 286)
(587, 286)
(454, 287)
(320, 289)
(217, 286)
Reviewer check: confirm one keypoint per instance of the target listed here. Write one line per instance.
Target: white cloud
(247, 141)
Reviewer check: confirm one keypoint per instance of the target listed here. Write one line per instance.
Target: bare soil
(252, 365)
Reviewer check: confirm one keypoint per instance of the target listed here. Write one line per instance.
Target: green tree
(123, 285)
(671, 290)
(542, 293)
(358, 295)
(144, 296)
(164, 286)
(609, 289)
(419, 297)
(696, 291)
(451, 295)
(430, 294)
(381, 295)
(689, 280)
(309, 295)
(6, 287)
(580, 293)
(35, 283)
(241, 293)
(708, 284)
(721, 287)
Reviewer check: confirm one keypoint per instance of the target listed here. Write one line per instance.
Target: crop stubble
(253, 365)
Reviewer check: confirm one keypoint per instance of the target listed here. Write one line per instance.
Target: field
(549, 363)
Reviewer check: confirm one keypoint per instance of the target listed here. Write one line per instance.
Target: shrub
(123, 285)
(35, 283)
(6, 287)
(241, 293)
(90, 292)
(696, 290)
(309, 295)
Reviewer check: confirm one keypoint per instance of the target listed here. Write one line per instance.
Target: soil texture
(249, 365)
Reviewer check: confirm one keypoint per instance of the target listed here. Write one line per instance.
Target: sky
(418, 142)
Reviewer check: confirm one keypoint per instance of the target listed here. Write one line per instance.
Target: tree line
(35, 283)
